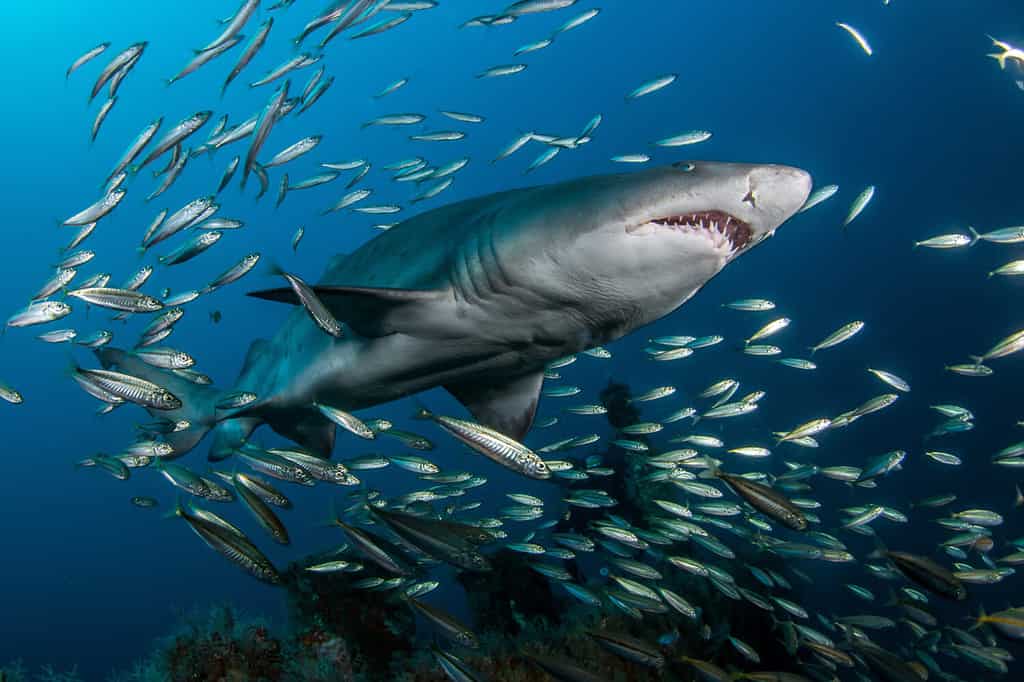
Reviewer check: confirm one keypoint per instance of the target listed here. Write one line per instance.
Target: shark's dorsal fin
(371, 311)
(508, 407)
(312, 432)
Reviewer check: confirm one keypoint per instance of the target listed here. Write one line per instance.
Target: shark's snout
(777, 191)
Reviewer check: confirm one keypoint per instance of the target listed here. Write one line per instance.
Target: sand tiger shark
(478, 296)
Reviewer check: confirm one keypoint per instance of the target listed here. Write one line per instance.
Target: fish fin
(918, 668)
(507, 407)
(312, 432)
(711, 472)
(370, 311)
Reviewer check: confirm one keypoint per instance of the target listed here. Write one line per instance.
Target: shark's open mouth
(713, 222)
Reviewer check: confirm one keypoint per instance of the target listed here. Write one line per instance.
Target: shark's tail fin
(197, 401)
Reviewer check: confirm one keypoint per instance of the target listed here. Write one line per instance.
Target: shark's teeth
(737, 231)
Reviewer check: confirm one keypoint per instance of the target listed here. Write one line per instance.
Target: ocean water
(89, 580)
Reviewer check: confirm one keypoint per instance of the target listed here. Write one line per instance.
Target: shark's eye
(685, 166)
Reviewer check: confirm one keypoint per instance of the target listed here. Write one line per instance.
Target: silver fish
(247, 9)
(101, 116)
(294, 151)
(234, 273)
(39, 312)
(175, 135)
(262, 130)
(129, 388)
(137, 145)
(300, 61)
(255, 43)
(60, 280)
(122, 60)
(125, 300)
(98, 210)
(192, 248)
(188, 215)
(203, 57)
(86, 57)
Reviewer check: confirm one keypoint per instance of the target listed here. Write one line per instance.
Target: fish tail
(178, 511)
(880, 551)
(421, 410)
(999, 57)
(978, 359)
(333, 516)
(979, 620)
(273, 268)
(813, 350)
(974, 236)
(711, 472)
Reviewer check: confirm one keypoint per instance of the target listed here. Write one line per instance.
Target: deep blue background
(88, 579)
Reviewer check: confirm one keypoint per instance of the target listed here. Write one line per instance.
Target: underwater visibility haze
(484, 340)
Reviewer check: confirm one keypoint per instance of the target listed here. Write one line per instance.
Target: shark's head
(637, 246)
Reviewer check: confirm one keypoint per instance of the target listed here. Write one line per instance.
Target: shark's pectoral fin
(507, 406)
(370, 311)
(312, 432)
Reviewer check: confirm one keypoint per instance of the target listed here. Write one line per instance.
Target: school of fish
(709, 492)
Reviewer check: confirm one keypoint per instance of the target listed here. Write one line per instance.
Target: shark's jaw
(720, 227)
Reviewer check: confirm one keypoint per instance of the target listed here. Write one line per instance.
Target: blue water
(87, 579)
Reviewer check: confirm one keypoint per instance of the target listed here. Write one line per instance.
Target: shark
(479, 295)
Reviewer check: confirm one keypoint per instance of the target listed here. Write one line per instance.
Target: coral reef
(374, 625)
(506, 596)
(221, 647)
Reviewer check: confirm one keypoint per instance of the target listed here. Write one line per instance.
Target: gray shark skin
(479, 295)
